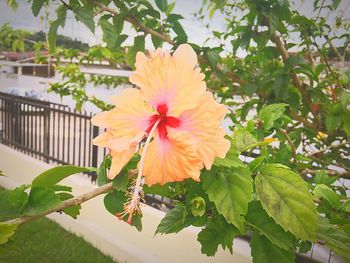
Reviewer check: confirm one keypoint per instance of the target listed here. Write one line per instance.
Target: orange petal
(129, 118)
(169, 160)
(126, 125)
(204, 124)
(170, 80)
(119, 159)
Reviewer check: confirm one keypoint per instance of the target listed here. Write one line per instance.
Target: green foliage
(231, 191)
(323, 191)
(121, 181)
(57, 174)
(41, 199)
(6, 231)
(59, 22)
(264, 251)
(162, 5)
(217, 232)
(286, 198)
(114, 203)
(262, 222)
(103, 170)
(85, 16)
(37, 5)
(270, 114)
(334, 237)
(174, 221)
(72, 211)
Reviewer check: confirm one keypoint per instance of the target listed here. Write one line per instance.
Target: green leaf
(72, 211)
(263, 250)
(18, 197)
(114, 203)
(41, 199)
(231, 161)
(59, 188)
(156, 41)
(174, 17)
(102, 171)
(170, 8)
(6, 231)
(157, 189)
(162, 5)
(256, 163)
(111, 32)
(198, 206)
(174, 221)
(85, 16)
(57, 174)
(336, 4)
(334, 237)
(12, 4)
(120, 182)
(346, 206)
(242, 139)
(332, 122)
(37, 5)
(213, 57)
(60, 21)
(217, 232)
(322, 177)
(180, 32)
(346, 123)
(260, 220)
(323, 191)
(271, 113)
(139, 45)
(319, 68)
(231, 191)
(286, 198)
(7, 209)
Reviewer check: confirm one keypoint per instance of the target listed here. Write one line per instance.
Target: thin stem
(291, 144)
(136, 195)
(65, 204)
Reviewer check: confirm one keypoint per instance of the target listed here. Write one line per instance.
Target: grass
(45, 241)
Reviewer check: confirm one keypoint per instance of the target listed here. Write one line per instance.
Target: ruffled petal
(204, 124)
(170, 80)
(121, 150)
(129, 118)
(170, 160)
(119, 160)
(126, 125)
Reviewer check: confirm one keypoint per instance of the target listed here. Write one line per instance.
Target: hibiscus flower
(173, 110)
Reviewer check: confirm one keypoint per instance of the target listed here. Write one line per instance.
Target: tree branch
(164, 37)
(294, 151)
(65, 204)
(136, 23)
(332, 146)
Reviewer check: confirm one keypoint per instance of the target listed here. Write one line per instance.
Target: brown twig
(332, 146)
(294, 151)
(162, 36)
(65, 204)
(136, 23)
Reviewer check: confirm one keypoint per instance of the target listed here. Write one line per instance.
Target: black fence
(54, 133)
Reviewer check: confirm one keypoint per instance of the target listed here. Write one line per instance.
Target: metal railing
(54, 133)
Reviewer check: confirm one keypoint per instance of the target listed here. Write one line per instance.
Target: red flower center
(165, 121)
